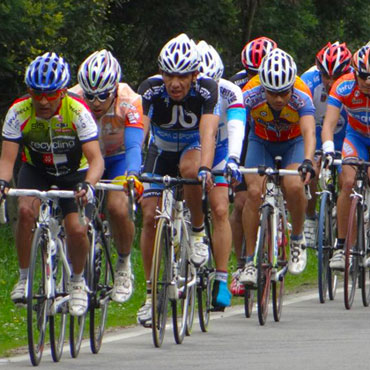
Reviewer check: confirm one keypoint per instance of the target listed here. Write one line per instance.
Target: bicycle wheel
(161, 279)
(364, 276)
(332, 275)
(58, 321)
(101, 286)
(191, 310)
(278, 284)
(36, 297)
(324, 241)
(205, 278)
(264, 264)
(351, 256)
(248, 301)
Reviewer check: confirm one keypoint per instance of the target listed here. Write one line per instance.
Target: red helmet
(361, 59)
(255, 50)
(334, 59)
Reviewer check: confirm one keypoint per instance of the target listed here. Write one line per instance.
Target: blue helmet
(47, 72)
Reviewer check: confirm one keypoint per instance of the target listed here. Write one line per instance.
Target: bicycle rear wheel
(332, 275)
(351, 256)
(37, 303)
(278, 284)
(248, 301)
(101, 285)
(161, 279)
(58, 321)
(264, 264)
(191, 310)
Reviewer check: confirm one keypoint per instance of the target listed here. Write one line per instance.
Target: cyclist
(332, 61)
(280, 112)
(351, 91)
(180, 109)
(117, 111)
(60, 147)
(227, 157)
(251, 57)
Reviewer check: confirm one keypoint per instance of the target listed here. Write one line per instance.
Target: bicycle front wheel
(161, 279)
(351, 256)
(101, 285)
(36, 297)
(264, 264)
(364, 277)
(58, 321)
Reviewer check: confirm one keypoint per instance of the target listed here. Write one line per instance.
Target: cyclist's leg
(123, 230)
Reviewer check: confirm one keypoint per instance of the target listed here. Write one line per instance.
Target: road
(310, 336)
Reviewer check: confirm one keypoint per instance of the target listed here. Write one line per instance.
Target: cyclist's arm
(146, 122)
(308, 130)
(330, 123)
(9, 153)
(208, 129)
(91, 150)
(133, 142)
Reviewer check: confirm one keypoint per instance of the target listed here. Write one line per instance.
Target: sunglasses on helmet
(102, 97)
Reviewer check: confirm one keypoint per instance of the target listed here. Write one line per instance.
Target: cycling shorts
(30, 177)
(160, 163)
(115, 166)
(263, 152)
(355, 145)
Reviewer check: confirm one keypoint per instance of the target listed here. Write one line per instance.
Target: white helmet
(179, 55)
(277, 71)
(100, 72)
(211, 64)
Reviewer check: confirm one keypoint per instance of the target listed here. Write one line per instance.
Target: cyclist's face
(46, 104)
(177, 85)
(364, 85)
(278, 101)
(328, 81)
(100, 103)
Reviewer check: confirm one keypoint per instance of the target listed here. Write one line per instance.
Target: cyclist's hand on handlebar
(4, 186)
(232, 168)
(328, 159)
(85, 192)
(124, 180)
(307, 171)
(205, 173)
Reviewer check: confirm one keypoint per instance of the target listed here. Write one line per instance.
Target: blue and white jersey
(175, 124)
(312, 78)
(232, 120)
(240, 78)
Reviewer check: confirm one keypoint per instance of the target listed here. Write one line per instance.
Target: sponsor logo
(58, 145)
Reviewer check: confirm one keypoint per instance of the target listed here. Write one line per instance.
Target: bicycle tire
(161, 279)
(362, 249)
(36, 297)
(101, 284)
(264, 264)
(323, 233)
(248, 301)
(58, 321)
(351, 257)
(191, 310)
(278, 285)
(332, 275)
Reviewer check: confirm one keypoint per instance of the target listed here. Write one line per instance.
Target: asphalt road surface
(310, 335)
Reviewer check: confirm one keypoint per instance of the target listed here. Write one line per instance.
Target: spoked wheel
(332, 275)
(37, 304)
(76, 332)
(324, 242)
(191, 309)
(161, 279)
(264, 264)
(58, 321)
(206, 276)
(351, 256)
(278, 284)
(364, 277)
(248, 301)
(100, 284)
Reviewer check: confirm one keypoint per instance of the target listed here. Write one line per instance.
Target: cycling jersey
(312, 78)
(175, 125)
(274, 126)
(121, 127)
(345, 92)
(240, 78)
(53, 145)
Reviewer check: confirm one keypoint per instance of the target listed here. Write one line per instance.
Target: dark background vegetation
(135, 30)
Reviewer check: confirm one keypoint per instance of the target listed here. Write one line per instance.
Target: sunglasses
(50, 96)
(280, 93)
(102, 97)
(363, 75)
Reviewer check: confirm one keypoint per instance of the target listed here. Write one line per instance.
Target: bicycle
(327, 229)
(356, 246)
(270, 256)
(173, 276)
(46, 295)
